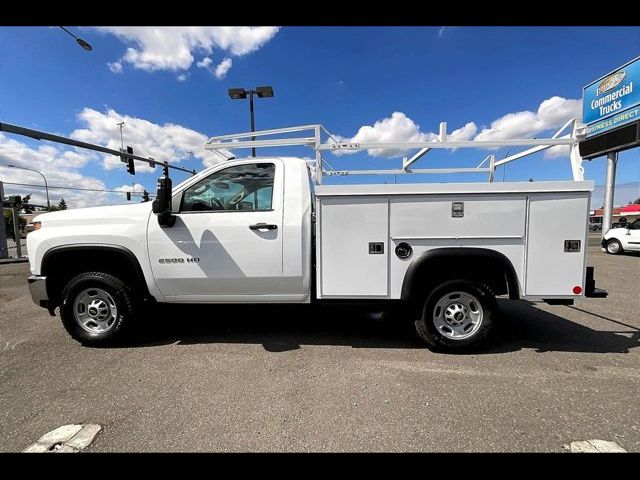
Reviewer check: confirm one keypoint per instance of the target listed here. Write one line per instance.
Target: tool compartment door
(347, 227)
(554, 219)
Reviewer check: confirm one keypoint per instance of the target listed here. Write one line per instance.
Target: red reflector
(577, 289)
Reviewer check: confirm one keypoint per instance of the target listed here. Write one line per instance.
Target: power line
(76, 188)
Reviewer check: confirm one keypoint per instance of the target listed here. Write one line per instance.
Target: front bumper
(38, 289)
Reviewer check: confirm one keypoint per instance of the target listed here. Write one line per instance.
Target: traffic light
(131, 168)
(129, 196)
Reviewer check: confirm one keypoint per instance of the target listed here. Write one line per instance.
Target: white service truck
(260, 230)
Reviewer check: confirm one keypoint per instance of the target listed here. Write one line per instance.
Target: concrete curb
(13, 260)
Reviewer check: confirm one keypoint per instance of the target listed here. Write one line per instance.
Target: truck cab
(241, 234)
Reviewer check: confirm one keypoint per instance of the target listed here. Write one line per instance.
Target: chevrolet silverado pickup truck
(259, 230)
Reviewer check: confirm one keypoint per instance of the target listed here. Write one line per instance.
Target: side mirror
(162, 204)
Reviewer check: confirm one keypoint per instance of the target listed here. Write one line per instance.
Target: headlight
(37, 225)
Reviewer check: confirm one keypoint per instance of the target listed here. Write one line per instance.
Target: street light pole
(253, 125)
(504, 167)
(83, 43)
(241, 93)
(46, 186)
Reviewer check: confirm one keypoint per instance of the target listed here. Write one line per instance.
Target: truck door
(227, 238)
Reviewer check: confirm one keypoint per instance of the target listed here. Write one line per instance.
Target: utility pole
(4, 252)
(609, 191)
(16, 227)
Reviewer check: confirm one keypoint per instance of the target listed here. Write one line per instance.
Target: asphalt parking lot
(328, 379)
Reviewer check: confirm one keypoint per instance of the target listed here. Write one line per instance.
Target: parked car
(595, 227)
(623, 238)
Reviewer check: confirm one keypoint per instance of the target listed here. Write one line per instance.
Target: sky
(169, 85)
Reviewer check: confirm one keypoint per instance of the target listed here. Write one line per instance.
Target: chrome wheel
(95, 310)
(458, 315)
(613, 247)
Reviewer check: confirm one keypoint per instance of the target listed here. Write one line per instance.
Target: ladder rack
(312, 138)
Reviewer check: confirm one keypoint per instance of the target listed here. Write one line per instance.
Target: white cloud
(204, 63)
(464, 133)
(222, 68)
(168, 142)
(62, 165)
(182, 77)
(397, 128)
(551, 114)
(138, 188)
(172, 48)
(60, 168)
(557, 151)
(115, 67)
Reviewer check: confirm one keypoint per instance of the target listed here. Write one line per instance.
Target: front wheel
(456, 316)
(96, 308)
(614, 247)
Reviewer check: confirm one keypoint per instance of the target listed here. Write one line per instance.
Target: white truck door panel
(347, 226)
(630, 237)
(633, 240)
(550, 270)
(214, 253)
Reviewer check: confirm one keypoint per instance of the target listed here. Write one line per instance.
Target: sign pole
(16, 230)
(609, 190)
(4, 252)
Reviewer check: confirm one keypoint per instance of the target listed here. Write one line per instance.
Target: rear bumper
(38, 289)
(590, 289)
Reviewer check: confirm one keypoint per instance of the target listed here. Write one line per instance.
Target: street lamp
(241, 94)
(80, 41)
(46, 186)
(504, 167)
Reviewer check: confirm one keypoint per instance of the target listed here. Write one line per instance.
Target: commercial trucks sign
(612, 100)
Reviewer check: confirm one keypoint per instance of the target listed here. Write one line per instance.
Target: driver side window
(242, 187)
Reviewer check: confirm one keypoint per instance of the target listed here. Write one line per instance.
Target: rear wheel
(614, 247)
(456, 316)
(97, 308)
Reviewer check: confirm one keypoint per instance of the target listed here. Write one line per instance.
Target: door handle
(263, 226)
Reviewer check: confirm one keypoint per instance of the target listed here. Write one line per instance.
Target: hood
(94, 215)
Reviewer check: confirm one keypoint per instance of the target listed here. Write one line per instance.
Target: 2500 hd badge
(179, 260)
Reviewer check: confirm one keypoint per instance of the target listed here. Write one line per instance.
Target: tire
(457, 316)
(97, 309)
(614, 247)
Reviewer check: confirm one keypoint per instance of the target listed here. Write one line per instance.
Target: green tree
(62, 205)
(26, 206)
(145, 196)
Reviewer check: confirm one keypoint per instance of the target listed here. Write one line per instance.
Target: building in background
(626, 214)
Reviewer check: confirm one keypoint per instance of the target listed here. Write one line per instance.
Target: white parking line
(65, 439)
(595, 446)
